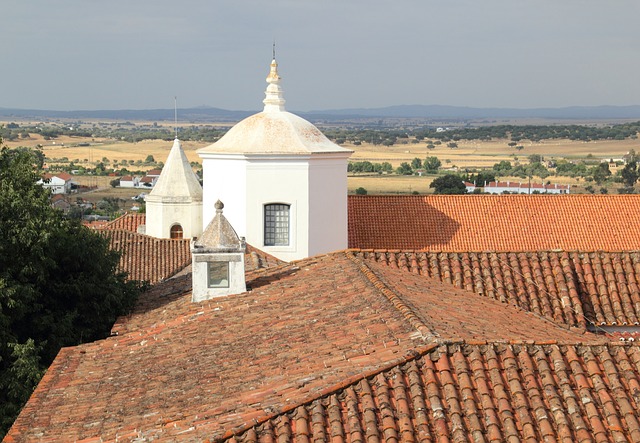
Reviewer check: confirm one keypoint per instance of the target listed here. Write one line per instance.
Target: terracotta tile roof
(95, 224)
(481, 393)
(151, 259)
(64, 176)
(574, 288)
(130, 221)
(147, 258)
(186, 371)
(510, 223)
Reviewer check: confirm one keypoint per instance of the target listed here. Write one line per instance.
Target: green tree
(404, 169)
(535, 158)
(482, 177)
(448, 184)
(601, 172)
(58, 282)
(149, 159)
(503, 168)
(416, 163)
(432, 164)
(361, 191)
(630, 174)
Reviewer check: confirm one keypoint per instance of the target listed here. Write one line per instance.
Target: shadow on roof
(402, 222)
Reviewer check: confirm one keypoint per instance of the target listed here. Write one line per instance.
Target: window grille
(276, 225)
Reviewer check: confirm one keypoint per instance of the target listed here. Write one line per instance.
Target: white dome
(273, 132)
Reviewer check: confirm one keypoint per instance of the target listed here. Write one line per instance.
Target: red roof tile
(495, 392)
(147, 258)
(178, 370)
(574, 288)
(509, 223)
(128, 222)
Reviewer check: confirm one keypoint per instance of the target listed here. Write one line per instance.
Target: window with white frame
(276, 224)
(218, 274)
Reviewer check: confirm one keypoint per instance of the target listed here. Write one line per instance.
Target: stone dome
(274, 130)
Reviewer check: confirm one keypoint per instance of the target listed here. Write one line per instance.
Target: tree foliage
(630, 174)
(58, 282)
(432, 164)
(601, 172)
(448, 184)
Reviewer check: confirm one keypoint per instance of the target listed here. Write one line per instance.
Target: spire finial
(175, 114)
(274, 100)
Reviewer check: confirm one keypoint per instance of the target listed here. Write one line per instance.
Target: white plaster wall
(279, 180)
(161, 216)
(201, 292)
(225, 179)
(327, 205)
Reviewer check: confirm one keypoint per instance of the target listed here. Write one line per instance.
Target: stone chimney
(218, 260)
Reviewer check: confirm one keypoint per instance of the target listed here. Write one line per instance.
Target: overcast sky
(332, 54)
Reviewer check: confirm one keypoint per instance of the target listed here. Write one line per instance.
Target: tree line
(59, 284)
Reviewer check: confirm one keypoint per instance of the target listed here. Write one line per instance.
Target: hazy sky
(139, 54)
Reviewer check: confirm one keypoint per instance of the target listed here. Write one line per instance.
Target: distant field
(483, 154)
(468, 155)
(475, 154)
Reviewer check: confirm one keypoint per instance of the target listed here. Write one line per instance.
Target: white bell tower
(285, 182)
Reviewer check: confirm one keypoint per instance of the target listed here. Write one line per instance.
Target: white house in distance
(283, 183)
(60, 183)
(129, 181)
(174, 206)
(525, 188)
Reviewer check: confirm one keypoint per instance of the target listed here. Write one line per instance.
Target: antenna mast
(175, 114)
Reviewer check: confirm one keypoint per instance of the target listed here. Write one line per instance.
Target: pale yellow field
(468, 155)
(481, 154)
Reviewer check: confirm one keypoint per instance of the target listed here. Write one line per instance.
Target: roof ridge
(409, 355)
(407, 311)
(489, 251)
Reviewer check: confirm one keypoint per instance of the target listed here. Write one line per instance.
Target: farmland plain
(469, 155)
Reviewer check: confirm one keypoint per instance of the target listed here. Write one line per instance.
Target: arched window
(276, 224)
(176, 231)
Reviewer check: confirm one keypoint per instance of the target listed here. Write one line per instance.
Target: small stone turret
(218, 260)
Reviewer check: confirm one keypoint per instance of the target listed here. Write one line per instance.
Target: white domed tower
(174, 206)
(284, 182)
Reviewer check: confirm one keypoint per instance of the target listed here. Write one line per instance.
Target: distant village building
(129, 181)
(59, 201)
(471, 187)
(524, 188)
(147, 181)
(60, 183)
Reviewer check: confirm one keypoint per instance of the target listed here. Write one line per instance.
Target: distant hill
(202, 113)
(461, 112)
(205, 113)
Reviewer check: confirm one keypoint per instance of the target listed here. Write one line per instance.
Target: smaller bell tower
(218, 260)
(174, 206)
